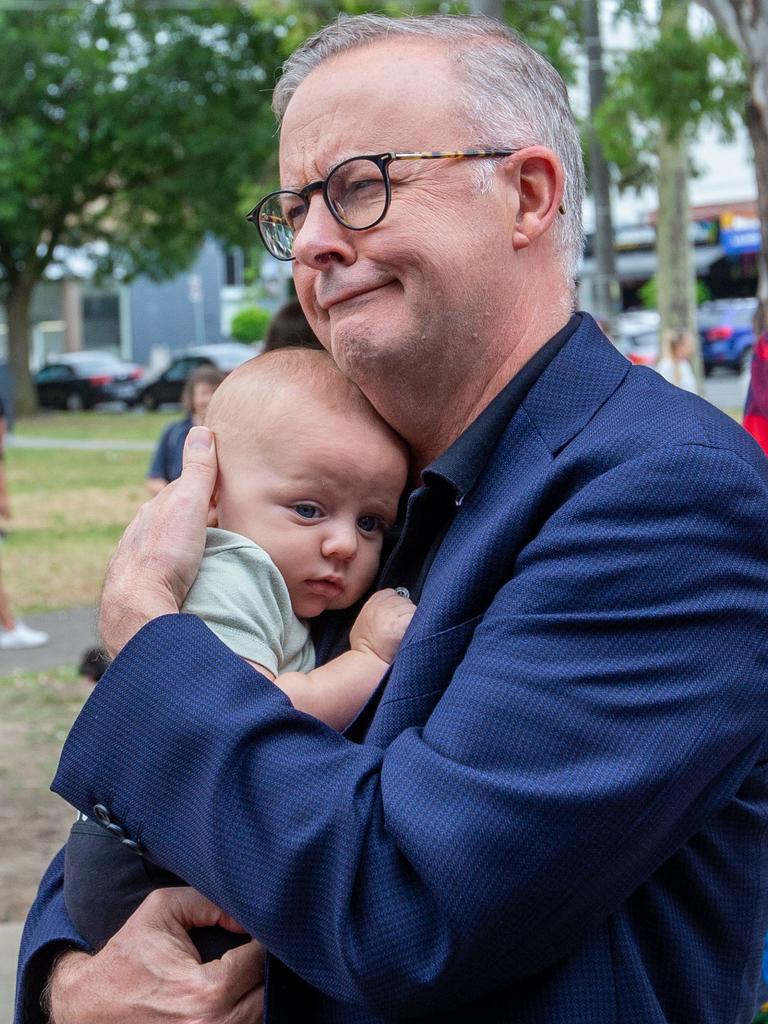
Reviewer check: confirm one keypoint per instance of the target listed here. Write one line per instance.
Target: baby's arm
(336, 691)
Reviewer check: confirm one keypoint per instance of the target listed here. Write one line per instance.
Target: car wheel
(149, 401)
(744, 360)
(75, 402)
(708, 369)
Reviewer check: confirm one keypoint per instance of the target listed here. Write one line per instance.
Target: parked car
(80, 380)
(637, 336)
(169, 384)
(727, 333)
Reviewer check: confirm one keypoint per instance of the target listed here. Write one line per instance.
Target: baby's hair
(269, 387)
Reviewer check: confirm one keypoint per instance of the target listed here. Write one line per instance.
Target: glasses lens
(280, 217)
(358, 193)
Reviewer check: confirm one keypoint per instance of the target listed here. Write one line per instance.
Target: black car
(167, 387)
(80, 380)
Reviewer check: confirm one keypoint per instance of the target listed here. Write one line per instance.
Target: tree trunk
(675, 276)
(490, 8)
(607, 292)
(757, 123)
(17, 304)
(745, 22)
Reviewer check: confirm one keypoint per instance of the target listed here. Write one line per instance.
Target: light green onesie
(240, 594)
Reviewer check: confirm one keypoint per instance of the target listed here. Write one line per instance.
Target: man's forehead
(366, 100)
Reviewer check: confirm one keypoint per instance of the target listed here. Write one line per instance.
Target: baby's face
(317, 497)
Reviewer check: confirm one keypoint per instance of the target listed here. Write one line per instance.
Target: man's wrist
(55, 999)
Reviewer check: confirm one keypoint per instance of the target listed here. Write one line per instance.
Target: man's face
(419, 289)
(317, 497)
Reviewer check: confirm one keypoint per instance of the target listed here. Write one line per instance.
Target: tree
(128, 130)
(659, 95)
(745, 22)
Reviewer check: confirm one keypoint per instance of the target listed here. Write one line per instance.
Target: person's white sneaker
(22, 636)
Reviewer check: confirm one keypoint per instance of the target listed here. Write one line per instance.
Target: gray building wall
(169, 314)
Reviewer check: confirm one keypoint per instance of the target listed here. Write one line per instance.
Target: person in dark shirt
(166, 462)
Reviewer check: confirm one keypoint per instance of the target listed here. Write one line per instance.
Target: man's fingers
(239, 970)
(183, 908)
(250, 1009)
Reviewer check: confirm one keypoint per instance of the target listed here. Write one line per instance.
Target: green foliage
(250, 324)
(649, 293)
(129, 129)
(673, 78)
(556, 35)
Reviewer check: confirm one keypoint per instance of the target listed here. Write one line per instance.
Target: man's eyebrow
(349, 155)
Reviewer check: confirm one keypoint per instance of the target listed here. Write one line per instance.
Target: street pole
(490, 8)
(607, 292)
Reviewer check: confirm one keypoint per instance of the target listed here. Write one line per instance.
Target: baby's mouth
(326, 587)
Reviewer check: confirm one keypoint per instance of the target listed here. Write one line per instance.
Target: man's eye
(307, 511)
(370, 524)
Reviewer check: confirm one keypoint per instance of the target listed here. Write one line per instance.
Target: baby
(309, 478)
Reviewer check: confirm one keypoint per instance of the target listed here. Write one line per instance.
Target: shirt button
(134, 846)
(101, 814)
(115, 830)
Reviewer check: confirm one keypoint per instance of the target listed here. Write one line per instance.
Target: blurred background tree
(745, 22)
(128, 130)
(660, 93)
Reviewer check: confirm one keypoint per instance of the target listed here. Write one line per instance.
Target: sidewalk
(10, 934)
(70, 632)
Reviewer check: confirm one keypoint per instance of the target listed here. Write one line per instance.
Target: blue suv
(727, 334)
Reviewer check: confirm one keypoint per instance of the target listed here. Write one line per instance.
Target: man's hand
(150, 972)
(159, 554)
(381, 624)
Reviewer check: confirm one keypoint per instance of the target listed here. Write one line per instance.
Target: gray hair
(512, 94)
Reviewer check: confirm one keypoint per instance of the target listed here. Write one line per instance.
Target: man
(553, 808)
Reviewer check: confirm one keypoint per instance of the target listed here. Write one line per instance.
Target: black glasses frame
(382, 161)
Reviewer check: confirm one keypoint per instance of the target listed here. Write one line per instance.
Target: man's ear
(536, 175)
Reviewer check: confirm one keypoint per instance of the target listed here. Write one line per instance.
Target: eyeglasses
(357, 192)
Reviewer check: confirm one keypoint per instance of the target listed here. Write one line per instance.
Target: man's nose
(321, 239)
(341, 541)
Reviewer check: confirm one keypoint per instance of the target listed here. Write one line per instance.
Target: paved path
(10, 934)
(70, 632)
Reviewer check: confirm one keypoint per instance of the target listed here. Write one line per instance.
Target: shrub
(250, 324)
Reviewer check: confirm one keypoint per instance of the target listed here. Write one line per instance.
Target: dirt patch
(36, 711)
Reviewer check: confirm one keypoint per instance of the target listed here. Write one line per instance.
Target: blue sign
(736, 241)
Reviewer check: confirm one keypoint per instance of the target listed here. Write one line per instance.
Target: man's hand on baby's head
(381, 624)
(159, 555)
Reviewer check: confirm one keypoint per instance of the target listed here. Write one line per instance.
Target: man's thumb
(200, 452)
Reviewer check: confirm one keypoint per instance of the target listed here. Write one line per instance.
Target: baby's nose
(340, 542)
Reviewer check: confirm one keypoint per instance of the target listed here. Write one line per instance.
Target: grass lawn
(103, 426)
(36, 711)
(69, 510)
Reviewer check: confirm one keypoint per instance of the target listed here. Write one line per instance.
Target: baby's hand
(381, 624)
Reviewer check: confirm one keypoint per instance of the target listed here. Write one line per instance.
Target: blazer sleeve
(48, 931)
(612, 699)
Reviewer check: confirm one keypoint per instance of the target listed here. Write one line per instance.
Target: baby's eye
(307, 511)
(370, 524)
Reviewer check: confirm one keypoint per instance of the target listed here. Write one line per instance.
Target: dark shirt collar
(461, 465)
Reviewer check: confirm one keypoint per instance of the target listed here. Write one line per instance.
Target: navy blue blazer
(558, 812)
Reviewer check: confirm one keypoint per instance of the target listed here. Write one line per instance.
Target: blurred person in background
(290, 329)
(166, 462)
(13, 632)
(674, 364)
(756, 409)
